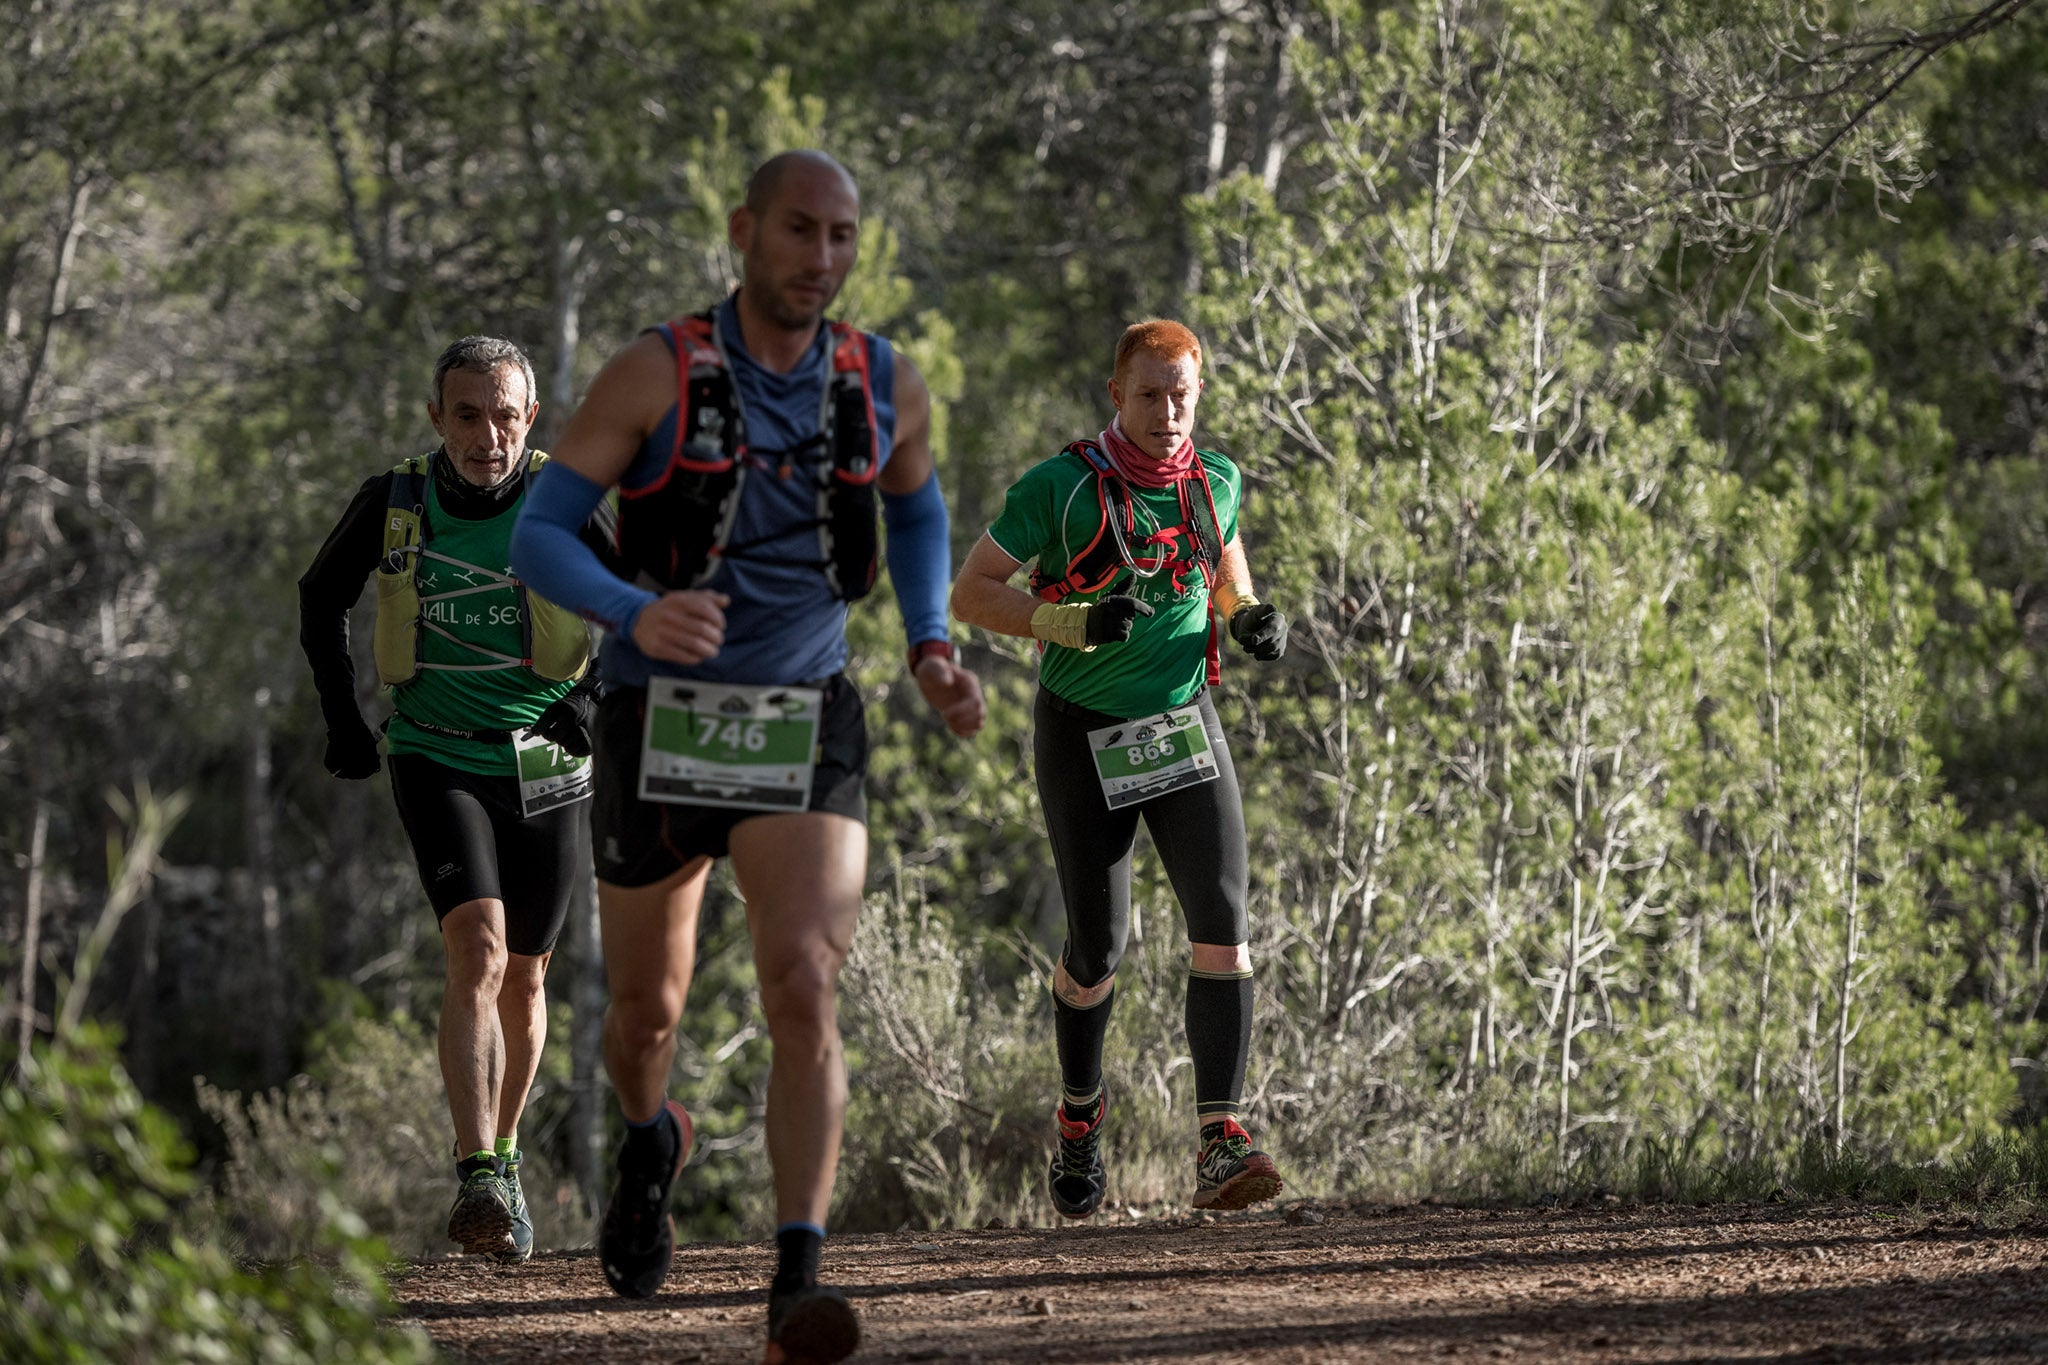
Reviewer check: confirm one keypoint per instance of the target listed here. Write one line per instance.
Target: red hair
(1162, 337)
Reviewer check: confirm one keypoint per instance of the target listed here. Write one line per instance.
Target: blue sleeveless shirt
(783, 625)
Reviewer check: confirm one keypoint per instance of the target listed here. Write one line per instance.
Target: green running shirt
(1051, 514)
(497, 699)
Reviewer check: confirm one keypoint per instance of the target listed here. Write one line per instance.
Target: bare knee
(643, 1019)
(799, 995)
(1074, 993)
(525, 979)
(474, 941)
(1224, 959)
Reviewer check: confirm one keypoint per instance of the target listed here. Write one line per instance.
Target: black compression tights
(1198, 830)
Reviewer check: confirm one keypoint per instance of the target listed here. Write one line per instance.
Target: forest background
(1641, 413)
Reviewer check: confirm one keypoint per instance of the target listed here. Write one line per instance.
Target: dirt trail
(1336, 1284)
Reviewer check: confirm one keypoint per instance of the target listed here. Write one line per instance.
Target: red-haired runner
(1139, 573)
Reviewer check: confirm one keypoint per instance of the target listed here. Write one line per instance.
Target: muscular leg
(650, 951)
(802, 875)
(523, 1023)
(472, 1042)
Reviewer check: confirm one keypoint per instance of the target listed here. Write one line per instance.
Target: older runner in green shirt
(1139, 570)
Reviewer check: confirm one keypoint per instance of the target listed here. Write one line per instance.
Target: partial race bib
(549, 775)
(715, 744)
(1153, 755)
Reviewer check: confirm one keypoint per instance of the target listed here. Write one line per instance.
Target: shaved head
(798, 234)
(767, 181)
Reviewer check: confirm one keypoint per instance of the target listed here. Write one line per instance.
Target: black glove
(352, 752)
(567, 723)
(1111, 619)
(1261, 629)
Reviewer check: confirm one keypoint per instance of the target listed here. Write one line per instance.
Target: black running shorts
(472, 843)
(638, 843)
(1198, 832)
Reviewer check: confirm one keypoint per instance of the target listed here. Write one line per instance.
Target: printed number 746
(731, 734)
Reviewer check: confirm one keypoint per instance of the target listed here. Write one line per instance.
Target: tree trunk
(1208, 168)
(1851, 931)
(569, 283)
(1278, 139)
(31, 930)
(586, 1046)
(14, 434)
(140, 1052)
(260, 833)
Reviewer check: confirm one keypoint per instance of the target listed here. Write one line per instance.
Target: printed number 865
(1136, 755)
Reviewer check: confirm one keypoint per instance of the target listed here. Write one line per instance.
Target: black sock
(653, 1142)
(797, 1246)
(1080, 1033)
(1219, 1023)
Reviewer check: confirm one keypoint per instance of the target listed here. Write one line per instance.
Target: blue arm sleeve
(920, 558)
(548, 557)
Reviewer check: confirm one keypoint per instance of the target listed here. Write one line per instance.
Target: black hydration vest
(677, 528)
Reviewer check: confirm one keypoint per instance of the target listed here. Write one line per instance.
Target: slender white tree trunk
(31, 930)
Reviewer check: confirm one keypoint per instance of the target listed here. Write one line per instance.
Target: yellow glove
(1062, 624)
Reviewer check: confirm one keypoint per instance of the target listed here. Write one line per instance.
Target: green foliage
(99, 1267)
(1643, 441)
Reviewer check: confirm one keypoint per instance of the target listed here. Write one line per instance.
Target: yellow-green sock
(505, 1146)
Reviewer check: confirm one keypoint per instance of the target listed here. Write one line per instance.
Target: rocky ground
(1846, 1283)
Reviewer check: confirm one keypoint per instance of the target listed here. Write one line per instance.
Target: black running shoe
(637, 1237)
(482, 1217)
(1078, 1178)
(1231, 1173)
(522, 1221)
(813, 1326)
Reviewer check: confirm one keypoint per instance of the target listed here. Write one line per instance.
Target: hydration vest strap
(501, 581)
(850, 380)
(1104, 556)
(704, 386)
(503, 660)
(1098, 562)
(409, 490)
(676, 528)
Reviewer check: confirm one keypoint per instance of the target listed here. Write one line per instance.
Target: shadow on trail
(1356, 1288)
(1699, 1329)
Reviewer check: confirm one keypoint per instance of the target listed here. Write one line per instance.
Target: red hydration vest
(1196, 541)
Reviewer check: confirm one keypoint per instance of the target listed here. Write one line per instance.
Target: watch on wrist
(925, 649)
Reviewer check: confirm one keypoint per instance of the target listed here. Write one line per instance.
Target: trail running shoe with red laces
(1078, 1178)
(482, 1217)
(811, 1326)
(637, 1237)
(1231, 1173)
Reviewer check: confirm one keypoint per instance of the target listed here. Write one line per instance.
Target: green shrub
(373, 1110)
(99, 1267)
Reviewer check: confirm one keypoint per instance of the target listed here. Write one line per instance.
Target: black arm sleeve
(329, 588)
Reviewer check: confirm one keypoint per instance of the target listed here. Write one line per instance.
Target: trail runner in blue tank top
(747, 445)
